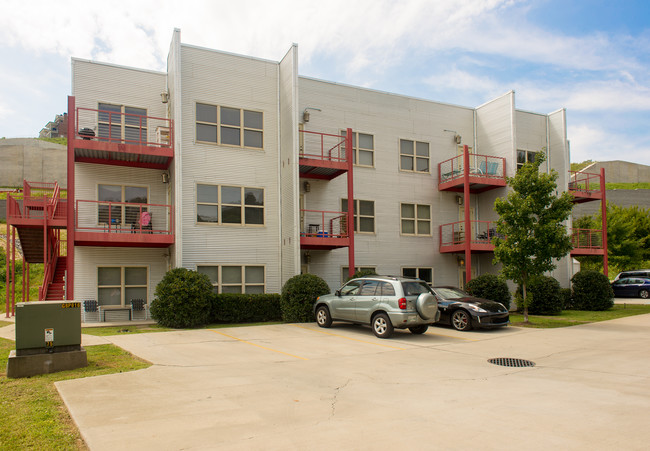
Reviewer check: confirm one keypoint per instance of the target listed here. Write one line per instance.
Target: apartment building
(241, 169)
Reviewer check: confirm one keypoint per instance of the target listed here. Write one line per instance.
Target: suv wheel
(419, 330)
(323, 317)
(381, 326)
(461, 320)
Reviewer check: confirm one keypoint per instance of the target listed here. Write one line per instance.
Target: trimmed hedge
(299, 295)
(546, 296)
(490, 286)
(183, 299)
(232, 308)
(592, 291)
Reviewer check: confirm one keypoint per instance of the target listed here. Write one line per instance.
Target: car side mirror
(338, 293)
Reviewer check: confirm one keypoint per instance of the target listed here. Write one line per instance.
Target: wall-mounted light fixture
(305, 113)
(307, 186)
(457, 138)
(461, 261)
(164, 97)
(307, 257)
(165, 177)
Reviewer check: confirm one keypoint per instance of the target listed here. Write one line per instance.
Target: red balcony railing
(583, 182)
(482, 232)
(37, 201)
(322, 146)
(123, 217)
(324, 224)
(483, 166)
(587, 238)
(123, 128)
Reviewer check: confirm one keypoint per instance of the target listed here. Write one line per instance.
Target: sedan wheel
(382, 326)
(461, 320)
(323, 317)
(644, 294)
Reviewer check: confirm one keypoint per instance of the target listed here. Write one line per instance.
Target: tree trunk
(523, 286)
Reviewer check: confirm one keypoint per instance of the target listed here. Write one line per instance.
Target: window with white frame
(525, 156)
(415, 219)
(364, 215)
(345, 275)
(363, 148)
(112, 203)
(121, 123)
(222, 204)
(229, 126)
(425, 274)
(118, 285)
(249, 279)
(413, 156)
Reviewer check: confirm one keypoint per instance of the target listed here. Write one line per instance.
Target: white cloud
(590, 142)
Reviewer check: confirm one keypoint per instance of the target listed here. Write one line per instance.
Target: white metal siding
(227, 80)
(88, 259)
(494, 130)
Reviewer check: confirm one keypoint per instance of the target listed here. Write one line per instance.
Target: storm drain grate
(507, 361)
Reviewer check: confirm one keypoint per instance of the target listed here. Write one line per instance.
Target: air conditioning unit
(163, 135)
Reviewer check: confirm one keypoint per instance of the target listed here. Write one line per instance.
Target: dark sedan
(632, 287)
(463, 311)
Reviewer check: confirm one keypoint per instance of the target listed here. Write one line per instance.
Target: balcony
(587, 242)
(585, 187)
(123, 224)
(322, 156)
(453, 237)
(122, 139)
(323, 230)
(485, 173)
(37, 204)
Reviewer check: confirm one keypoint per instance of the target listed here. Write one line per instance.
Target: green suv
(383, 302)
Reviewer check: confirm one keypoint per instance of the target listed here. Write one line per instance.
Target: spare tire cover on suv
(427, 306)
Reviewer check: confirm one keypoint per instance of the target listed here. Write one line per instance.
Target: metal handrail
(115, 225)
(332, 152)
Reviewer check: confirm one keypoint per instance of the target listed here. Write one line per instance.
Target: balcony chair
(90, 312)
(139, 310)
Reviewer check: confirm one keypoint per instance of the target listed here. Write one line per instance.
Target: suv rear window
(415, 288)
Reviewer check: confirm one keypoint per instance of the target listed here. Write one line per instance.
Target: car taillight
(402, 303)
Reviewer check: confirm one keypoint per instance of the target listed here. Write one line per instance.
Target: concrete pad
(296, 387)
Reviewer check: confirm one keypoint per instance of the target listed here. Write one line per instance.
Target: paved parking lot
(296, 386)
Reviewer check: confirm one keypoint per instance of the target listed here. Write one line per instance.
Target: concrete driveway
(301, 387)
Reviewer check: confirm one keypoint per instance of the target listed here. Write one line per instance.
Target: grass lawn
(575, 317)
(33, 416)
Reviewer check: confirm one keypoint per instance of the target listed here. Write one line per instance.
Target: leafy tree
(628, 237)
(531, 220)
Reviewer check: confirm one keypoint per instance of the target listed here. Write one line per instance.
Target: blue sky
(591, 57)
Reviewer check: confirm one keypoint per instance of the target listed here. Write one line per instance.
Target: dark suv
(383, 302)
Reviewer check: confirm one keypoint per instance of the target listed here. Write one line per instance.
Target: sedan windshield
(450, 293)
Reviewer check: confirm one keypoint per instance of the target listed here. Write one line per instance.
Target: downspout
(72, 119)
(468, 224)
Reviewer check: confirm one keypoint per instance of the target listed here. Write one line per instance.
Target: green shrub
(567, 298)
(298, 297)
(490, 286)
(592, 291)
(362, 273)
(545, 296)
(183, 299)
(231, 308)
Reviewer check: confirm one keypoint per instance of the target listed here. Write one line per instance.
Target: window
(235, 279)
(229, 205)
(364, 215)
(413, 156)
(524, 156)
(416, 219)
(118, 285)
(369, 288)
(122, 123)
(345, 275)
(425, 274)
(229, 126)
(120, 213)
(364, 153)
